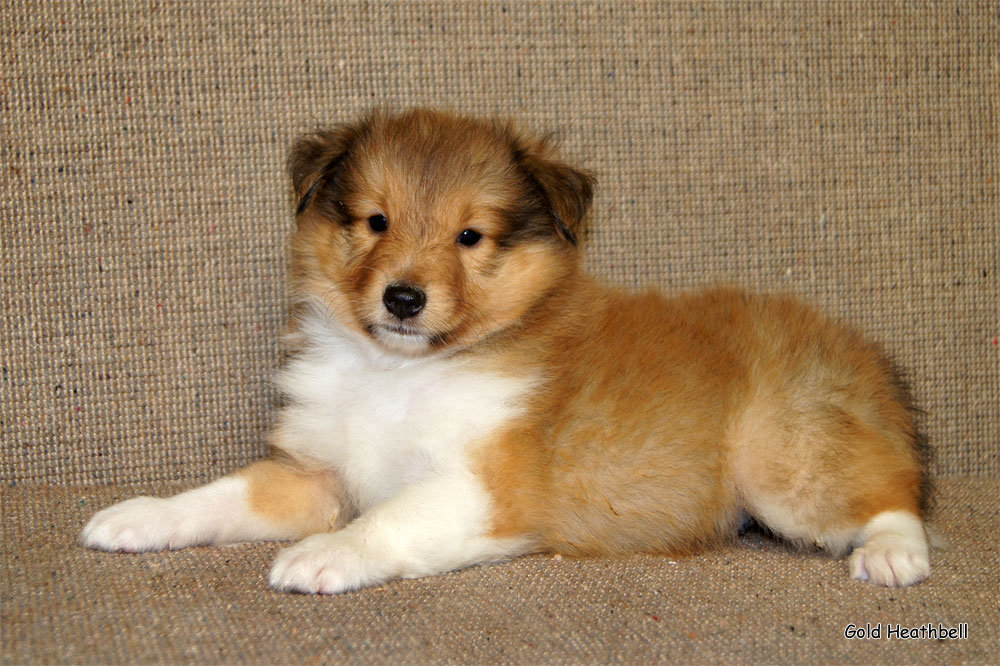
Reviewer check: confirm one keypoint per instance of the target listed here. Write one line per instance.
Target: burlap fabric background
(847, 152)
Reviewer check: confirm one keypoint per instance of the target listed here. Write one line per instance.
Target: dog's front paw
(138, 525)
(890, 560)
(322, 564)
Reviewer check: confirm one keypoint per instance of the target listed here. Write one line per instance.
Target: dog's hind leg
(839, 483)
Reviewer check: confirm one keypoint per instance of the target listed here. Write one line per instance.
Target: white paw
(322, 564)
(888, 560)
(138, 525)
(895, 554)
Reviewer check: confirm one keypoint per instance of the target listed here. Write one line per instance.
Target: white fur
(386, 421)
(212, 514)
(431, 526)
(401, 433)
(892, 550)
(405, 343)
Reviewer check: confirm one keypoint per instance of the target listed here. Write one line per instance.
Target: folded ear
(314, 160)
(566, 191)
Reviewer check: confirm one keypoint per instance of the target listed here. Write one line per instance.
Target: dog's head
(425, 231)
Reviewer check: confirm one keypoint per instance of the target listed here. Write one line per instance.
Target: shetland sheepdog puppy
(459, 391)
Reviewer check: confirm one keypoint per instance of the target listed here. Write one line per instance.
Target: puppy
(459, 391)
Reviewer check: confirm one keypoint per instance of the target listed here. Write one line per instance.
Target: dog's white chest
(384, 425)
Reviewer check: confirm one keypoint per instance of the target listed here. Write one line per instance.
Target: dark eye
(378, 223)
(469, 237)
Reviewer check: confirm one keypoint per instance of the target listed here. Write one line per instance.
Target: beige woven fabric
(844, 151)
(756, 602)
(847, 152)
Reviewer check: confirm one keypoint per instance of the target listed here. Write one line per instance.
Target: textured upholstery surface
(757, 602)
(846, 152)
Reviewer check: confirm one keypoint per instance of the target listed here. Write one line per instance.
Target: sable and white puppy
(461, 392)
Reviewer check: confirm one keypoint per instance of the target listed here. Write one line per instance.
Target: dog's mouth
(375, 329)
(411, 340)
(407, 338)
(395, 329)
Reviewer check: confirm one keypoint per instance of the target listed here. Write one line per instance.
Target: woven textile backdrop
(846, 152)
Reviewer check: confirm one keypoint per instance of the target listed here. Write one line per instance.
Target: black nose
(404, 300)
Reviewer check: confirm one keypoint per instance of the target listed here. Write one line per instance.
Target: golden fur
(308, 501)
(459, 391)
(658, 423)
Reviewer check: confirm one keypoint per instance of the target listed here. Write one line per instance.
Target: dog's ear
(566, 191)
(314, 160)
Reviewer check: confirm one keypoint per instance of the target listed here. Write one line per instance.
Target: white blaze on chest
(384, 423)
